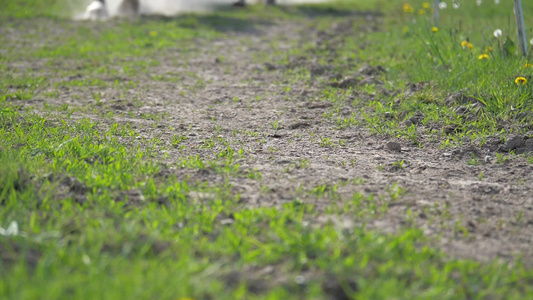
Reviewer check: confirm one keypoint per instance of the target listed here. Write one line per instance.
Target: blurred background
(75, 8)
(172, 7)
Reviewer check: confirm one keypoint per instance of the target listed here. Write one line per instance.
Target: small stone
(393, 146)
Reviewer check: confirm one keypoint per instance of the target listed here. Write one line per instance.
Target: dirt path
(226, 94)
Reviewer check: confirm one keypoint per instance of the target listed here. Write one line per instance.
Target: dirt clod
(460, 110)
(132, 197)
(346, 83)
(394, 146)
(512, 143)
(413, 87)
(12, 252)
(74, 185)
(337, 289)
(270, 66)
(460, 98)
(371, 71)
(451, 129)
(299, 125)
(417, 118)
(313, 105)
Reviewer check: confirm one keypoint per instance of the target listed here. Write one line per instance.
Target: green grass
(411, 53)
(98, 220)
(108, 246)
(440, 59)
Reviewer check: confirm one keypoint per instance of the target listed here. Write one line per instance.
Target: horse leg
(129, 7)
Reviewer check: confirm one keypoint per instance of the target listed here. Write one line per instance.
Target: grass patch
(461, 80)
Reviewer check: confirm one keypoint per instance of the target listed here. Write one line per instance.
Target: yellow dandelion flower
(434, 29)
(528, 65)
(421, 12)
(483, 56)
(426, 5)
(467, 44)
(153, 33)
(520, 80)
(408, 8)
(489, 49)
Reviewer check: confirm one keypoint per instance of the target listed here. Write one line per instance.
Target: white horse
(243, 2)
(97, 10)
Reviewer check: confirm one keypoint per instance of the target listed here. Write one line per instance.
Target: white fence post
(521, 28)
(436, 8)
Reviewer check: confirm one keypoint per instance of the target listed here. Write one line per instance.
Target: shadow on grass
(249, 19)
(215, 21)
(327, 10)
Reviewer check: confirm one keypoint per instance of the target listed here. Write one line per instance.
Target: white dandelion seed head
(531, 42)
(496, 1)
(443, 5)
(498, 33)
(479, 2)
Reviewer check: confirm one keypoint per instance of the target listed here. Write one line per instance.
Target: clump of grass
(458, 67)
